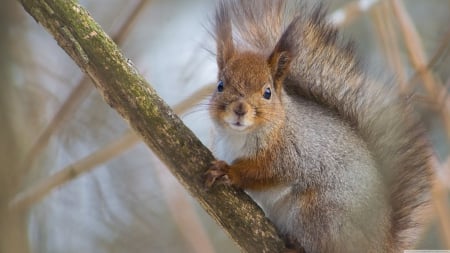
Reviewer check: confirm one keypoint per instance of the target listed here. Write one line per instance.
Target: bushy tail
(325, 70)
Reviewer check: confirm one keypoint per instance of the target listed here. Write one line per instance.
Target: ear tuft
(279, 62)
(285, 51)
(223, 34)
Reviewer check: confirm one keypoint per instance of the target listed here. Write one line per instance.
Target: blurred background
(54, 125)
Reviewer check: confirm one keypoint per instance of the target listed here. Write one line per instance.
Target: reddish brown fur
(246, 76)
(301, 59)
(253, 174)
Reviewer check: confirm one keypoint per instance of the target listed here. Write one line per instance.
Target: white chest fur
(228, 146)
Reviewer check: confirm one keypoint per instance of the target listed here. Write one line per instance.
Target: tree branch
(129, 94)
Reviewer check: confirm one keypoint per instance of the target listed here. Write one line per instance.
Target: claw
(217, 173)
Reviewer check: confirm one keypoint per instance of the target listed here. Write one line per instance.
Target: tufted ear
(284, 52)
(223, 34)
(279, 62)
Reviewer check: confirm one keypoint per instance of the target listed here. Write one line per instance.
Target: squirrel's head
(250, 85)
(248, 93)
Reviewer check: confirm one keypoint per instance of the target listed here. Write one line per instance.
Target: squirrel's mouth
(238, 125)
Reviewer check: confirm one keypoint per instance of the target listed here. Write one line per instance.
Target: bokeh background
(52, 120)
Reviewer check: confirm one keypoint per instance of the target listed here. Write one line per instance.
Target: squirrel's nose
(240, 109)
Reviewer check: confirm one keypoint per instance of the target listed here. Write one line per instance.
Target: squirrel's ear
(285, 51)
(224, 37)
(279, 62)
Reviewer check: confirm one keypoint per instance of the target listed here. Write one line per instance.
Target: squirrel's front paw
(217, 173)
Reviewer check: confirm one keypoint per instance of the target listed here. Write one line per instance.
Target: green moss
(128, 93)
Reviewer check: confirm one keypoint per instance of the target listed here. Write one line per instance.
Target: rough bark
(125, 90)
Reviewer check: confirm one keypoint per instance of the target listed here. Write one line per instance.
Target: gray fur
(351, 140)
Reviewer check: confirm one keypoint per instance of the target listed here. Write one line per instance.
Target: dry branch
(38, 191)
(418, 60)
(127, 92)
(382, 19)
(76, 97)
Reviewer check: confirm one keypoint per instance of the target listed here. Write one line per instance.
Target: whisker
(193, 112)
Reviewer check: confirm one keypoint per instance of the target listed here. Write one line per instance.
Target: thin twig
(76, 97)
(414, 46)
(193, 99)
(418, 59)
(437, 56)
(389, 43)
(38, 191)
(69, 106)
(443, 46)
(187, 221)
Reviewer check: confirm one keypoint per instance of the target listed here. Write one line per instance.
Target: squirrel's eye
(220, 86)
(267, 93)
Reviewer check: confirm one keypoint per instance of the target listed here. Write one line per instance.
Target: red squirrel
(336, 160)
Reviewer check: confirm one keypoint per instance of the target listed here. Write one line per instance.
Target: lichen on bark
(136, 101)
